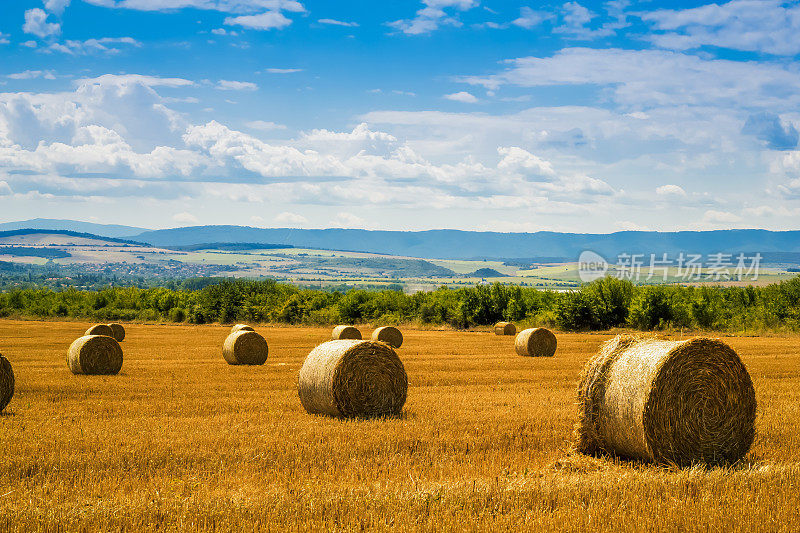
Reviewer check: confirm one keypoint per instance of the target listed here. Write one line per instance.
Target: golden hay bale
(6, 382)
(100, 329)
(353, 379)
(95, 354)
(245, 348)
(671, 402)
(118, 331)
(346, 332)
(241, 327)
(536, 342)
(505, 328)
(390, 335)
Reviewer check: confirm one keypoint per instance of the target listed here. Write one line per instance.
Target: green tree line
(602, 304)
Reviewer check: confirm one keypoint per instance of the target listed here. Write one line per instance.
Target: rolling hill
(544, 247)
(105, 230)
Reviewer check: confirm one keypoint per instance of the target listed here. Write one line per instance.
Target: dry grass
(181, 441)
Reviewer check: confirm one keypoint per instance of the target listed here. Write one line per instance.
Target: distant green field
(330, 268)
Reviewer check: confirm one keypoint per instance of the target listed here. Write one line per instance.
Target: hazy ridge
(451, 244)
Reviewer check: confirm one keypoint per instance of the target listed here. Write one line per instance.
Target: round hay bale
(100, 329)
(241, 327)
(390, 335)
(346, 332)
(245, 348)
(353, 379)
(536, 342)
(670, 402)
(118, 331)
(95, 354)
(505, 328)
(6, 382)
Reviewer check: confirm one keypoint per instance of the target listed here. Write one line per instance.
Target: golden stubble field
(182, 441)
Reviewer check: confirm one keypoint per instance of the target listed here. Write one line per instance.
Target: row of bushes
(603, 304)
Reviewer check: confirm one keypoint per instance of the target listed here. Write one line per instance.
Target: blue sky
(470, 114)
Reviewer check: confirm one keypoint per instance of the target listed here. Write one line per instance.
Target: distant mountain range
(453, 244)
(68, 233)
(105, 230)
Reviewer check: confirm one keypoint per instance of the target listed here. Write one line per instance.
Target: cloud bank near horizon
(639, 120)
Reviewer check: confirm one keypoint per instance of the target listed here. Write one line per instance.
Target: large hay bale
(245, 348)
(353, 379)
(241, 327)
(505, 328)
(100, 329)
(390, 335)
(671, 402)
(6, 382)
(95, 354)
(345, 332)
(536, 342)
(118, 331)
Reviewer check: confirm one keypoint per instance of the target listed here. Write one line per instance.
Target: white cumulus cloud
(647, 78)
(347, 220)
(229, 85)
(432, 16)
(282, 70)
(124, 80)
(754, 25)
(270, 20)
(520, 161)
(462, 96)
(224, 6)
(36, 23)
(56, 6)
(186, 218)
(290, 219)
(105, 45)
(528, 18)
(265, 125)
(334, 22)
(32, 74)
(670, 190)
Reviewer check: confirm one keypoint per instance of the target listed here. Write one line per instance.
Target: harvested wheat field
(179, 440)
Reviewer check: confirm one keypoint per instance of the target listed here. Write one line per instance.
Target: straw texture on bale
(390, 335)
(345, 332)
(95, 354)
(100, 329)
(241, 327)
(536, 342)
(505, 328)
(6, 382)
(669, 402)
(118, 331)
(245, 348)
(353, 379)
